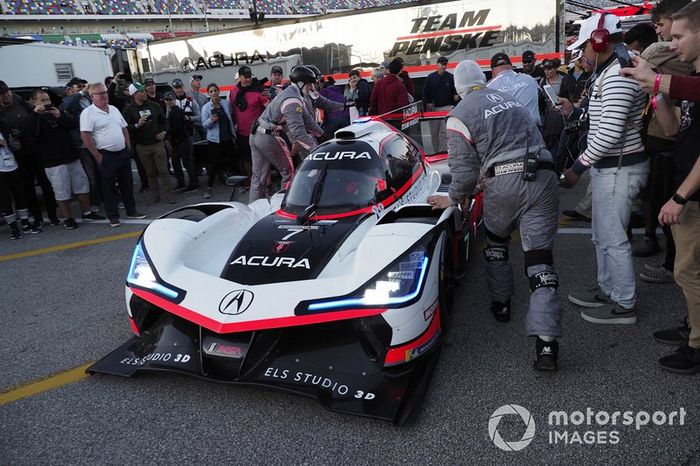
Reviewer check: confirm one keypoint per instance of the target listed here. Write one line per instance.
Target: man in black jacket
(147, 126)
(15, 113)
(181, 142)
(59, 157)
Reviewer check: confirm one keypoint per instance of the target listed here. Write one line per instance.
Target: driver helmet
(302, 75)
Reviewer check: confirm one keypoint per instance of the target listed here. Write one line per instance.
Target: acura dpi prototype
(337, 288)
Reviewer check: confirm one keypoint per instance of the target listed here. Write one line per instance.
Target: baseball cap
(443, 60)
(3, 87)
(136, 87)
(196, 77)
(549, 64)
(276, 69)
(385, 64)
(500, 59)
(177, 83)
(148, 81)
(611, 23)
(529, 56)
(170, 95)
(245, 71)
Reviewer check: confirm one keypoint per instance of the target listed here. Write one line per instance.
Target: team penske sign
(460, 29)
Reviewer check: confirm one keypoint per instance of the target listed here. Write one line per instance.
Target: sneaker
(70, 224)
(36, 227)
(575, 215)
(659, 274)
(120, 206)
(114, 222)
(136, 215)
(649, 248)
(685, 360)
(610, 314)
(55, 221)
(207, 194)
(191, 189)
(650, 266)
(15, 231)
(501, 311)
(546, 353)
(92, 216)
(674, 336)
(590, 298)
(25, 225)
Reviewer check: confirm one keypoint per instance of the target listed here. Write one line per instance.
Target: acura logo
(236, 302)
(495, 98)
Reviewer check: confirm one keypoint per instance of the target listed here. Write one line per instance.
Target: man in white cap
(619, 168)
(492, 136)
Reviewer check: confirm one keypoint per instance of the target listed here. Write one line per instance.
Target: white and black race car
(336, 288)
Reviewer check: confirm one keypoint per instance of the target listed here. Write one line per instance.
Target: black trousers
(116, 169)
(11, 189)
(31, 170)
(219, 154)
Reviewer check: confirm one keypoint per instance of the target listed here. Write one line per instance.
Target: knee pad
(496, 253)
(544, 279)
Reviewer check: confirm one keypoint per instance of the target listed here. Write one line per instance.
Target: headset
(600, 36)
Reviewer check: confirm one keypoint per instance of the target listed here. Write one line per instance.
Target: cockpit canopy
(341, 176)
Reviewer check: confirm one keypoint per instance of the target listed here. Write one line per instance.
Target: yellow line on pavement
(40, 386)
(63, 247)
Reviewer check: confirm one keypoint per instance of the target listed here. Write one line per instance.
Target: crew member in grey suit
(492, 138)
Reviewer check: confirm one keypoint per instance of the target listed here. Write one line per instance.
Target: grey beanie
(467, 74)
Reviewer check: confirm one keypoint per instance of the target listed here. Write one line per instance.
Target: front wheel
(446, 284)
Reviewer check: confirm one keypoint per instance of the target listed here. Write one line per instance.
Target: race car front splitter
(339, 363)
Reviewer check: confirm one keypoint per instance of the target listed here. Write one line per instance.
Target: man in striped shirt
(619, 169)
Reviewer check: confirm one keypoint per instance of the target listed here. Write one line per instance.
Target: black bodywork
(339, 363)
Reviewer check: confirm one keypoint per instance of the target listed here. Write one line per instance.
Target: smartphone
(551, 94)
(623, 56)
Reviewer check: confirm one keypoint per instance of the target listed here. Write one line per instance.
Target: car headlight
(142, 275)
(399, 283)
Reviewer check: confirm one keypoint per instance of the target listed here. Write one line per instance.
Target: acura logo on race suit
(236, 302)
(495, 98)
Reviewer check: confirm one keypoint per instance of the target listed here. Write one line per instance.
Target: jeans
(116, 168)
(614, 190)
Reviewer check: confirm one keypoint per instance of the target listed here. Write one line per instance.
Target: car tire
(445, 287)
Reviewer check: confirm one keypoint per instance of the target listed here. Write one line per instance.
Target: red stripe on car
(260, 324)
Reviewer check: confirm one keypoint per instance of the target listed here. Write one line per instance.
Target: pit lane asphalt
(65, 308)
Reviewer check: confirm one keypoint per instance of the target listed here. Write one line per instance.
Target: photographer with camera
(221, 135)
(118, 90)
(59, 157)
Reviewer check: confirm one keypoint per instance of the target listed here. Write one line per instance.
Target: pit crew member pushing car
(287, 112)
(492, 136)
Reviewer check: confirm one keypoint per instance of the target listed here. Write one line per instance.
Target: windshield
(337, 177)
